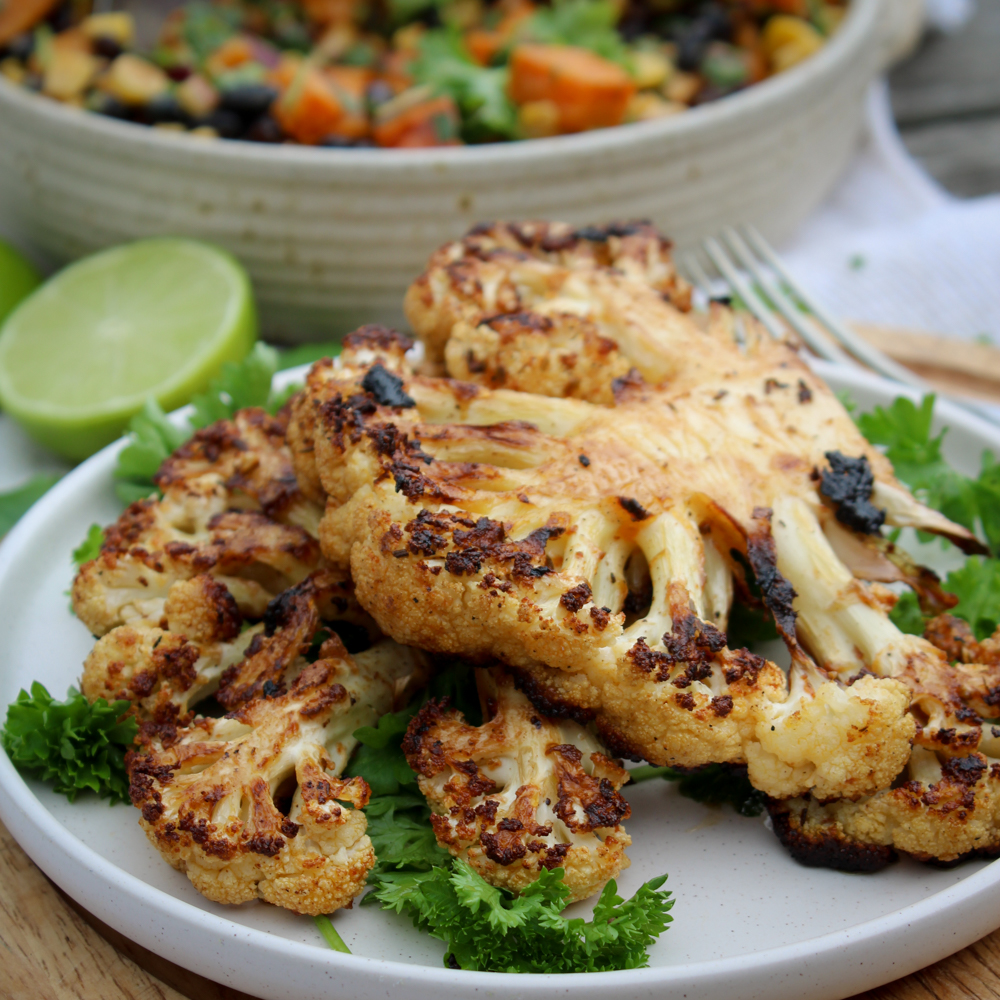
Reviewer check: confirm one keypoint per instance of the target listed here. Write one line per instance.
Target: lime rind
(157, 318)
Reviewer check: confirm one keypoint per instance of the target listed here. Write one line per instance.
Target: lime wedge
(155, 318)
(18, 279)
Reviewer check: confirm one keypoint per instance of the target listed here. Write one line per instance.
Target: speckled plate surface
(748, 921)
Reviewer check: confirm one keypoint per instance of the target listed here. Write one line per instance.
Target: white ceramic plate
(748, 921)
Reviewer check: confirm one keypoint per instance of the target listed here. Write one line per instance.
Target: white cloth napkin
(891, 246)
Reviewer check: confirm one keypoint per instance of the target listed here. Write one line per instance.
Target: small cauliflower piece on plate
(521, 793)
(252, 805)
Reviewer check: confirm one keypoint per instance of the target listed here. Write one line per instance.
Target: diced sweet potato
(433, 122)
(231, 53)
(308, 110)
(590, 91)
(349, 84)
(21, 15)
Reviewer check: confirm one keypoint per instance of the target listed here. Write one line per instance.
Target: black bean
(62, 17)
(109, 48)
(178, 73)
(21, 46)
(162, 108)
(248, 100)
(264, 129)
(227, 123)
(112, 107)
(378, 92)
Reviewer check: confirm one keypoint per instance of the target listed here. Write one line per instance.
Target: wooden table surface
(55, 950)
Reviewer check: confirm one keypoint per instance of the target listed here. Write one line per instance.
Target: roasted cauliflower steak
(594, 546)
(231, 508)
(521, 792)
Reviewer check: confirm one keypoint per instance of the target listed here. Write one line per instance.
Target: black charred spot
(626, 385)
(266, 844)
(633, 508)
(576, 597)
(805, 393)
(289, 828)
(386, 388)
(848, 484)
(685, 700)
(270, 689)
(722, 705)
(601, 617)
(555, 856)
(743, 664)
(583, 460)
(964, 770)
(487, 811)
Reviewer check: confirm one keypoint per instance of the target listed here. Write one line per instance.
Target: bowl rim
(862, 25)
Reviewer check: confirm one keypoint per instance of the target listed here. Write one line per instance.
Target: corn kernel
(12, 69)
(115, 24)
(69, 73)
(682, 87)
(538, 119)
(650, 69)
(197, 96)
(204, 132)
(133, 80)
(788, 40)
(169, 126)
(645, 107)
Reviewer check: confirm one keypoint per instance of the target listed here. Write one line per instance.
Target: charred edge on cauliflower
(776, 592)
(825, 847)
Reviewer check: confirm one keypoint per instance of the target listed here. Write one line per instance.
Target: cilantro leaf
(906, 615)
(444, 63)
(238, 385)
(987, 490)
(977, 587)
(490, 929)
(587, 24)
(15, 503)
(379, 759)
(71, 744)
(90, 547)
(151, 439)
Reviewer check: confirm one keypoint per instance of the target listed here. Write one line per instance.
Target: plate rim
(24, 814)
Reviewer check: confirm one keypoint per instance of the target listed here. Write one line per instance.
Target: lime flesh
(18, 279)
(154, 318)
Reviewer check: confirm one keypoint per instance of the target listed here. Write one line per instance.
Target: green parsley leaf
(90, 547)
(72, 744)
(15, 503)
(379, 759)
(444, 63)
(987, 490)
(490, 929)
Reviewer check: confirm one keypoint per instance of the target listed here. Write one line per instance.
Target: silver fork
(748, 248)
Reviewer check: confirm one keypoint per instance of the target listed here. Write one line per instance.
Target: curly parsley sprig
(73, 744)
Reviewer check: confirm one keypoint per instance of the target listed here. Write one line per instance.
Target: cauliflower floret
(252, 806)
(231, 508)
(198, 649)
(167, 670)
(520, 793)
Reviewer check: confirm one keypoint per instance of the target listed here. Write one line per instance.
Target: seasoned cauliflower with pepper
(521, 792)
(231, 508)
(252, 805)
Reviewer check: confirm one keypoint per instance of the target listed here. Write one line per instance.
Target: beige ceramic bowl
(332, 237)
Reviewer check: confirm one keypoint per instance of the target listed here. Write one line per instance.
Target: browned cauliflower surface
(251, 805)
(231, 508)
(521, 792)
